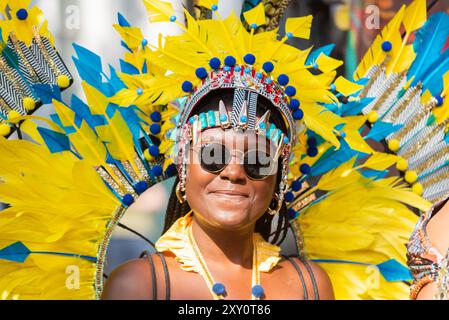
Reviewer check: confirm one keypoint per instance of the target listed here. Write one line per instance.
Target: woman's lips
(231, 194)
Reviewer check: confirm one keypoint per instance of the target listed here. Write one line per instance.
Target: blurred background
(350, 24)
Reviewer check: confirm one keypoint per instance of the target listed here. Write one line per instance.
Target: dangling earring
(278, 205)
(181, 197)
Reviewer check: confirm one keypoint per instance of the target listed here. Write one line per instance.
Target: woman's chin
(229, 218)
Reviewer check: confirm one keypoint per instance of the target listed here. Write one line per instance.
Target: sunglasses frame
(233, 153)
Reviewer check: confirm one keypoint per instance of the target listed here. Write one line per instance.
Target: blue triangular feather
(47, 93)
(327, 50)
(124, 45)
(128, 68)
(16, 252)
(68, 130)
(354, 108)
(392, 270)
(122, 21)
(83, 113)
(332, 159)
(88, 57)
(374, 174)
(116, 83)
(430, 41)
(55, 141)
(87, 73)
(434, 74)
(381, 130)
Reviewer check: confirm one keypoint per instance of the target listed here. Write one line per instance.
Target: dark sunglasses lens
(214, 157)
(259, 165)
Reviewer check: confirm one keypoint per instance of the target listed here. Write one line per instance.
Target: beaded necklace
(217, 289)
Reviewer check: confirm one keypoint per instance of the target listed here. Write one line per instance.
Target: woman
(229, 209)
(427, 249)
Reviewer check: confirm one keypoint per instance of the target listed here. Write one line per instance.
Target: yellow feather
(346, 87)
(322, 122)
(158, 10)
(256, 15)
(326, 63)
(132, 36)
(381, 161)
(415, 15)
(299, 27)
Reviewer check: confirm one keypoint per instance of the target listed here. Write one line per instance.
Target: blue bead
(215, 63)
(439, 101)
(249, 59)
(289, 35)
(253, 26)
(291, 213)
(268, 67)
(154, 150)
(237, 68)
(157, 170)
(296, 185)
(139, 91)
(289, 196)
(259, 75)
(286, 140)
(171, 170)
(155, 128)
(187, 86)
(192, 120)
(144, 42)
(311, 142)
(218, 288)
(141, 187)
(294, 104)
(262, 126)
(304, 168)
(247, 70)
(257, 291)
(214, 7)
(387, 46)
(268, 81)
(22, 14)
(127, 200)
(312, 152)
(156, 116)
(230, 61)
(226, 68)
(243, 119)
(333, 87)
(283, 79)
(290, 91)
(173, 18)
(223, 118)
(298, 114)
(201, 73)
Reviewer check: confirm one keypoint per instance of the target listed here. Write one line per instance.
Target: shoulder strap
(312, 277)
(153, 275)
(166, 275)
(301, 277)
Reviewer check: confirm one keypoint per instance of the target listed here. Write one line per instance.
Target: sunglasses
(258, 164)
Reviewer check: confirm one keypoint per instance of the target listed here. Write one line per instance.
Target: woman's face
(228, 199)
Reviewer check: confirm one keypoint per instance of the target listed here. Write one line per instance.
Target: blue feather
(327, 50)
(430, 41)
(434, 74)
(392, 270)
(381, 130)
(333, 158)
(88, 57)
(16, 252)
(128, 68)
(55, 141)
(47, 93)
(122, 21)
(354, 108)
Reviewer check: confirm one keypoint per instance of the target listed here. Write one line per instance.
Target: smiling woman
(220, 228)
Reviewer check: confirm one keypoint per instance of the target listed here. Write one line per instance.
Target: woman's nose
(234, 171)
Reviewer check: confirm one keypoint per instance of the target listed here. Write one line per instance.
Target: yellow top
(176, 241)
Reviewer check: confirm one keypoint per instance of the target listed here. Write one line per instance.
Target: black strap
(312, 277)
(153, 276)
(166, 275)
(301, 277)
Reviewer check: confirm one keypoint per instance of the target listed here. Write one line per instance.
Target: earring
(278, 205)
(181, 197)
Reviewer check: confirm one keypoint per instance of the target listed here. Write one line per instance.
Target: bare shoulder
(129, 281)
(320, 279)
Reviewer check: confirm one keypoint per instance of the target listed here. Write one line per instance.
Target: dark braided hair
(176, 210)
